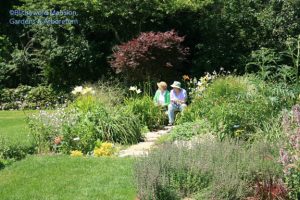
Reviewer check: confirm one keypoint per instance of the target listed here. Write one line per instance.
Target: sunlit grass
(65, 177)
(13, 126)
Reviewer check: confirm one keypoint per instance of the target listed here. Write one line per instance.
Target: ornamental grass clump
(148, 113)
(94, 121)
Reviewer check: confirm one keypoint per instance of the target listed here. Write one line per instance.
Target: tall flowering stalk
(196, 86)
(134, 92)
(290, 153)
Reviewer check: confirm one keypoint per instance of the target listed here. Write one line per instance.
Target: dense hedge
(27, 97)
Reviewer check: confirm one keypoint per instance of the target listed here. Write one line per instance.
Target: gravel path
(143, 148)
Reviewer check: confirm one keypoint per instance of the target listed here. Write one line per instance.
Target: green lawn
(60, 177)
(13, 126)
(65, 177)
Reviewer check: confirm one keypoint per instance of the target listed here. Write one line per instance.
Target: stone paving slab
(143, 148)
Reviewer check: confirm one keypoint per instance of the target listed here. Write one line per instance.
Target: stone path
(143, 148)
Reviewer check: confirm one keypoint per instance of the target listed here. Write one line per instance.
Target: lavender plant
(208, 169)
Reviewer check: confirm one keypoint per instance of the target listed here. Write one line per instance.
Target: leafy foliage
(188, 130)
(149, 114)
(100, 123)
(236, 106)
(218, 33)
(10, 152)
(27, 97)
(81, 124)
(274, 66)
(150, 55)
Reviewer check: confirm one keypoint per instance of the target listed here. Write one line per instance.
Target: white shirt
(161, 99)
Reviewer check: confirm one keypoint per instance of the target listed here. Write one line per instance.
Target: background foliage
(218, 34)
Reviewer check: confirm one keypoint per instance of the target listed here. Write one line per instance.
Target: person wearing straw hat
(162, 95)
(178, 97)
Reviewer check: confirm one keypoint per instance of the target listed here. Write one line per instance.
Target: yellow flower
(107, 145)
(203, 80)
(76, 153)
(106, 149)
(239, 132)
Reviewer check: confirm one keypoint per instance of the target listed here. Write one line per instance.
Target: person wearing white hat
(178, 97)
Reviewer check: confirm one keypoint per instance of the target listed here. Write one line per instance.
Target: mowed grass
(13, 126)
(45, 177)
(65, 177)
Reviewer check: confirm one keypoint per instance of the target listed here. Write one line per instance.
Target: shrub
(188, 130)
(235, 106)
(27, 97)
(150, 115)
(206, 170)
(10, 151)
(150, 55)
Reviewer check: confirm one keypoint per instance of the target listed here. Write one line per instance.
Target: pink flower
(284, 157)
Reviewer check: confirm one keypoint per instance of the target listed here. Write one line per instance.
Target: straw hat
(176, 84)
(162, 84)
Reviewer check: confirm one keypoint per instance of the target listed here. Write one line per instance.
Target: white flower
(201, 89)
(199, 83)
(76, 139)
(195, 80)
(138, 91)
(77, 89)
(133, 88)
(87, 90)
